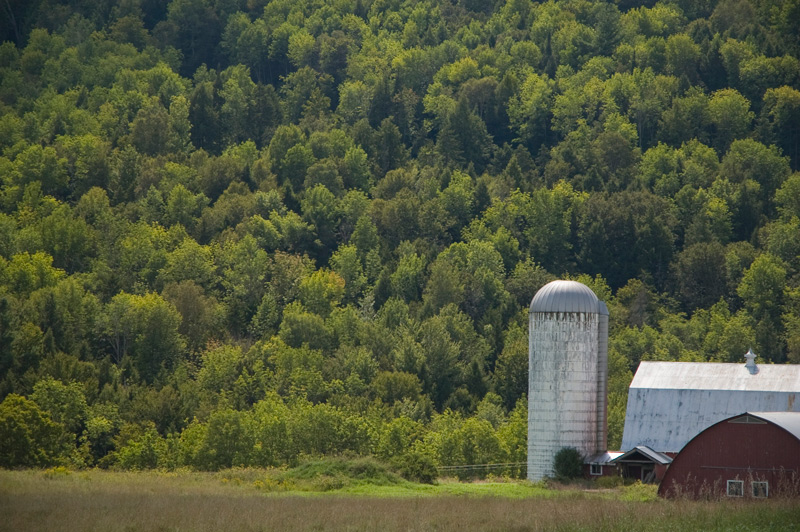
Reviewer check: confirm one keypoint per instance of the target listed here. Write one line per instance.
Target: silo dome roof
(567, 296)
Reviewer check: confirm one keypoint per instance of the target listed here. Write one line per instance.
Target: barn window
(760, 489)
(735, 488)
(596, 469)
(748, 420)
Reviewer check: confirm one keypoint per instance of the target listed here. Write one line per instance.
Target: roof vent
(751, 364)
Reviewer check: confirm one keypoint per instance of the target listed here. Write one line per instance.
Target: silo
(568, 360)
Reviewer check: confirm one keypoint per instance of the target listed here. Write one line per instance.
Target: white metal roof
(669, 403)
(789, 421)
(647, 452)
(566, 296)
(717, 376)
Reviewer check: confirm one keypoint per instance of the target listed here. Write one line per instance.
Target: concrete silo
(568, 374)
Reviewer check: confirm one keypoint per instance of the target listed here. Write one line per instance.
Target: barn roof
(604, 457)
(788, 421)
(669, 403)
(643, 453)
(717, 376)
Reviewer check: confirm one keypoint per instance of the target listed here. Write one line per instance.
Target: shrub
(417, 467)
(568, 463)
(334, 473)
(640, 492)
(56, 472)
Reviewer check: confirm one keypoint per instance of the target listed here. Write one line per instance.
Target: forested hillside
(243, 232)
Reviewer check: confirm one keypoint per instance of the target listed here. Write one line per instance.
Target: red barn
(756, 454)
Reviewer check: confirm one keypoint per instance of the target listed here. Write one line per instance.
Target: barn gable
(669, 403)
(643, 463)
(755, 454)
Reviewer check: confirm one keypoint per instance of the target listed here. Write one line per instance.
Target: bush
(367, 469)
(333, 473)
(640, 492)
(568, 463)
(417, 467)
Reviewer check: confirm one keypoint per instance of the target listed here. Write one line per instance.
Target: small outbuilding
(643, 463)
(601, 465)
(755, 454)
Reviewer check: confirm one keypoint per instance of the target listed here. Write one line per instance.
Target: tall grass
(131, 502)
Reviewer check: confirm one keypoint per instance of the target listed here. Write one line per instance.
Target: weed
(56, 472)
(609, 482)
(640, 492)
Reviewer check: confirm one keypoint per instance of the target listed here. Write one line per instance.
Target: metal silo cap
(567, 296)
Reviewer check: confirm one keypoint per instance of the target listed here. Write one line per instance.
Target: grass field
(253, 500)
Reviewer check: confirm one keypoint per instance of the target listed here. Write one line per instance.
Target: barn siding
(734, 451)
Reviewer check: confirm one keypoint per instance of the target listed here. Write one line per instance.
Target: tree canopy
(238, 233)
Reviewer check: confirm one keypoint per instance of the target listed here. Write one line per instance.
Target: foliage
(417, 467)
(336, 473)
(568, 463)
(250, 233)
(30, 437)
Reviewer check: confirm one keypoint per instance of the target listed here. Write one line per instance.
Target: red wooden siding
(731, 450)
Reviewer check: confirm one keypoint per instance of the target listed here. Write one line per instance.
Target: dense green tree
(42, 165)
(610, 223)
(781, 112)
(761, 289)
(30, 437)
(568, 463)
(64, 403)
(787, 197)
(221, 366)
(87, 162)
(193, 27)
(229, 440)
(463, 138)
(244, 269)
(731, 117)
(201, 315)
(698, 270)
(66, 238)
(750, 174)
(528, 111)
(688, 118)
(682, 56)
(150, 129)
(204, 116)
(392, 152)
(406, 280)
(511, 369)
(143, 329)
(321, 292)
(142, 448)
